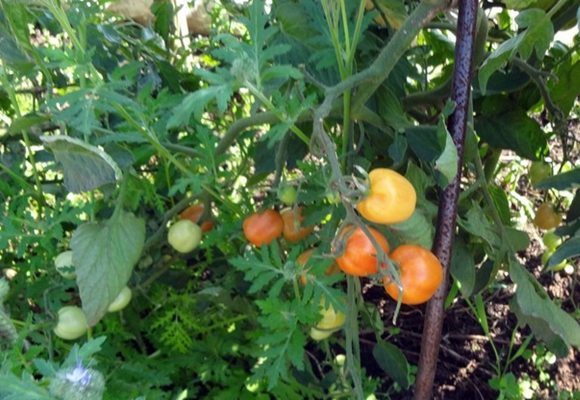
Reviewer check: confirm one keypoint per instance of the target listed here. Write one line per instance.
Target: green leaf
(517, 239)
(25, 388)
(514, 130)
(86, 167)
(463, 267)
(501, 203)
(104, 254)
(533, 307)
(425, 142)
(565, 89)
(393, 362)
(570, 248)
(26, 122)
(448, 162)
(538, 36)
(564, 181)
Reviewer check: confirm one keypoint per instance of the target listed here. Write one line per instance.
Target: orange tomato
(303, 259)
(293, 230)
(421, 274)
(260, 228)
(206, 226)
(360, 256)
(192, 213)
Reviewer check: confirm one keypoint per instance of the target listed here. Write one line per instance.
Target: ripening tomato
(293, 230)
(546, 217)
(184, 236)
(421, 274)
(206, 226)
(260, 228)
(360, 256)
(391, 199)
(287, 194)
(192, 213)
(331, 319)
(303, 258)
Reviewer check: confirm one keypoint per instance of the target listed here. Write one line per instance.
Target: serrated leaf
(196, 103)
(26, 122)
(393, 362)
(25, 388)
(104, 254)
(85, 166)
(538, 36)
(534, 308)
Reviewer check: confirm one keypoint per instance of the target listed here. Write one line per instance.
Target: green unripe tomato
(64, 265)
(551, 240)
(287, 194)
(546, 257)
(72, 323)
(333, 197)
(184, 236)
(121, 301)
(319, 334)
(539, 170)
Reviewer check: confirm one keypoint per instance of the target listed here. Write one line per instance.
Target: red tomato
(359, 257)
(263, 227)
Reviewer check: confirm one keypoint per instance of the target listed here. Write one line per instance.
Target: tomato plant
(193, 213)
(360, 255)
(184, 236)
(121, 301)
(421, 274)
(64, 265)
(260, 228)
(293, 230)
(539, 170)
(546, 217)
(391, 198)
(72, 323)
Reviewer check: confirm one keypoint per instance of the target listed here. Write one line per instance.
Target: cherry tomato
(551, 240)
(72, 323)
(287, 194)
(184, 236)
(331, 319)
(319, 334)
(293, 230)
(206, 226)
(359, 257)
(546, 217)
(64, 265)
(421, 274)
(303, 259)
(121, 301)
(392, 197)
(539, 171)
(192, 213)
(263, 227)
(546, 257)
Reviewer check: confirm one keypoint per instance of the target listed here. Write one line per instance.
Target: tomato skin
(318, 334)
(293, 230)
(392, 198)
(72, 323)
(206, 226)
(546, 257)
(192, 213)
(121, 301)
(303, 258)
(260, 228)
(287, 194)
(551, 240)
(63, 264)
(331, 319)
(421, 274)
(359, 257)
(539, 170)
(546, 217)
(184, 236)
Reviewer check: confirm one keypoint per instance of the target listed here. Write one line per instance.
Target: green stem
(352, 336)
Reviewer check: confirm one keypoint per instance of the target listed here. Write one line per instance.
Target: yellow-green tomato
(551, 240)
(72, 323)
(121, 301)
(331, 319)
(319, 334)
(64, 265)
(184, 236)
(546, 257)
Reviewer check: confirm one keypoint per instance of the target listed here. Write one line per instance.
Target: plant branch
(446, 219)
